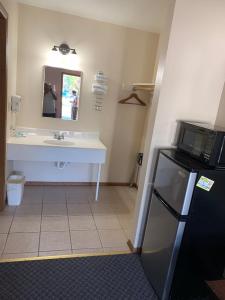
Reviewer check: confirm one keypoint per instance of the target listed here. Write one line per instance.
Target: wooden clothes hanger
(133, 95)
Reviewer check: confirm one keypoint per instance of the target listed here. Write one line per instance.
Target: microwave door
(221, 160)
(201, 143)
(193, 141)
(174, 184)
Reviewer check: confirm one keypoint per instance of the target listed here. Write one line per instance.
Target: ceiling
(146, 15)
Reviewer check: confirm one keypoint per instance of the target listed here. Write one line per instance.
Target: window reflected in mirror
(61, 97)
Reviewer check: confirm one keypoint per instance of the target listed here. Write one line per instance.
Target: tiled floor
(65, 220)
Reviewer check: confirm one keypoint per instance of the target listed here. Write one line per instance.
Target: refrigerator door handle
(169, 208)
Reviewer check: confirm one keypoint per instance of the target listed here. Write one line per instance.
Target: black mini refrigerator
(184, 241)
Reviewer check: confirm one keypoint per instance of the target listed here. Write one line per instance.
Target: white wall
(100, 46)
(220, 118)
(192, 84)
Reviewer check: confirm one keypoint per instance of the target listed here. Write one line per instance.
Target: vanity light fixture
(64, 49)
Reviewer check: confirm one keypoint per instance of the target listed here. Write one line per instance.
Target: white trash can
(15, 188)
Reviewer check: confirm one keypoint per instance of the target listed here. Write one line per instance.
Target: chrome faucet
(59, 136)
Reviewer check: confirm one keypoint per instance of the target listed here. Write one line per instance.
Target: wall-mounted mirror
(61, 93)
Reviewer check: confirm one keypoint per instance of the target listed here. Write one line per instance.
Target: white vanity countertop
(31, 144)
(42, 140)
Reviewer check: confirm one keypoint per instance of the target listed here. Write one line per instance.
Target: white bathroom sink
(59, 142)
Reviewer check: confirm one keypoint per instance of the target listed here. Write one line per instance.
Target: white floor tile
(78, 209)
(54, 210)
(79, 195)
(102, 209)
(3, 238)
(34, 209)
(85, 239)
(88, 250)
(78, 199)
(76, 190)
(8, 211)
(31, 200)
(117, 249)
(106, 222)
(128, 233)
(5, 223)
(55, 253)
(126, 220)
(33, 189)
(81, 222)
(54, 195)
(112, 238)
(19, 255)
(32, 195)
(59, 223)
(54, 189)
(112, 213)
(50, 241)
(107, 195)
(22, 242)
(26, 223)
(54, 200)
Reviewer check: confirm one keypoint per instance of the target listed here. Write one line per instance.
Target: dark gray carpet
(100, 277)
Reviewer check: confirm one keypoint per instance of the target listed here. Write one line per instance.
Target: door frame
(3, 103)
(3, 11)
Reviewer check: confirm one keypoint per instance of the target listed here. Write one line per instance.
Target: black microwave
(203, 142)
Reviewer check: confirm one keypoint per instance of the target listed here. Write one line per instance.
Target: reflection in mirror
(61, 93)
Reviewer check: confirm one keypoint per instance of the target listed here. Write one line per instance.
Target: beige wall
(100, 46)
(130, 120)
(193, 79)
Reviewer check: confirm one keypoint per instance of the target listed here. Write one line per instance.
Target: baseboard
(49, 183)
(134, 185)
(132, 249)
